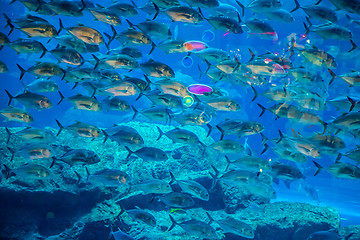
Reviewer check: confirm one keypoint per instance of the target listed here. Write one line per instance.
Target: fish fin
(263, 109)
(9, 135)
(210, 129)
(174, 223)
(60, 126)
(255, 93)
(287, 183)
(157, 11)
(252, 55)
(23, 71)
(281, 136)
(242, 7)
(87, 174)
(7, 171)
(333, 75)
(338, 158)
(160, 133)
(172, 178)
(105, 134)
(78, 176)
(135, 112)
(352, 101)
(10, 97)
(97, 61)
(153, 46)
(319, 167)
(53, 162)
(221, 131)
(61, 27)
(130, 152)
(353, 46)
(12, 151)
(61, 97)
(266, 147)
(211, 220)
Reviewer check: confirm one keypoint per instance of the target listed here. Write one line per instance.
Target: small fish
(156, 186)
(33, 135)
(156, 30)
(228, 146)
(85, 34)
(250, 163)
(177, 200)
(180, 14)
(115, 104)
(124, 9)
(29, 171)
(119, 61)
(157, 69)
(191, 187)
(123, 135)
(340, 170)
(81, 129)
(43, 69)
(178, 135)
(31, 100)
(318, 12)
(33, 151)
(148, 154)
(81, 157)
(195, 228)
(67, 8)
(139, 215)
(106, 15)
(261, 6)
(15, 114)
(280, 15)
(234, 226)
(42, 86)
(193, 117)
(82, 102)
(109, 178)
(69, 56)
(28, 46)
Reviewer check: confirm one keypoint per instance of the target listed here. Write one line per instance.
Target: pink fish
(199, 89)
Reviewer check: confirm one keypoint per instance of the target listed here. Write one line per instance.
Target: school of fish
(114, 70)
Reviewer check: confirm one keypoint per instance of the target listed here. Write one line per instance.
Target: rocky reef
(68, 207)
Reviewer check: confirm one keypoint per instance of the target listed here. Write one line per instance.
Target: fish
(160, 113)
(150, 186)
(29, 171)
(69, 56)
(352, 78)
(82, 102)
(353, 154)
(340, 170)
(260, 29)
(31, 100)
(177, 200)
(228, 146)
(31, 134)
(148, 154)
(118, 88)
(3, 67)
(178, 135)
(119, 61)
(42, 86)
(329, 31)
(157, 69)
(261, 6)
(249, 163)
(237, 177)
(81, 157)
(36, 29)
(106, 15)
(109, 178)
(85, 34)
(43, 69)
(171, 87)
(234, 226)
(193, 118)
(28, 46)
(239, 127)
(33, 151)
(191, 187)
(280, 15)
(119, 235)
(124, 9)
(34, 5)
(155, 30)
(195, 228)
(139, 215)
(81, 129)
(123, 135)
(115, 104)
(66, 8)
(317, 12)
(180, 14)
(16, 114)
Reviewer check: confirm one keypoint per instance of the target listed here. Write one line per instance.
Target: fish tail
(44, 50)
(106, 135)
(9, 135)
(353, 46)
(228, 163)
(130, 24)
(97, 61)
(307, 30)
(87, 174)
(61, 97)
(60, 126)
(153, 46)
(75, 85)
(266, 147)
(208, 64)
(201, 72)
(114, 33)
(121, 211)
(12, 2)
(319, 167)
(210, 129)
(135, 112)
(318, 2)
(263, 109)
(255, 94)
(83, 6)
(281, 136)
(53, 162)
(168, 111)
(242, 7)
(23, 71)
(78, 176)
(147, 81)
(174, 223)
(10, 97)
(333, 76)
(61, 27)
(252, 55)
(12, 151)
(353, 103)
(211, 220)
(172, 178)
(7, 171)
(297, 6)
(160, 133)
(130, 152)
(221, 131)
(214, 176)
(157, 11)
(8, 21)
(338, 158)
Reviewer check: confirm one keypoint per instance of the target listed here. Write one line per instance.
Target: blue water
(342, 194)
